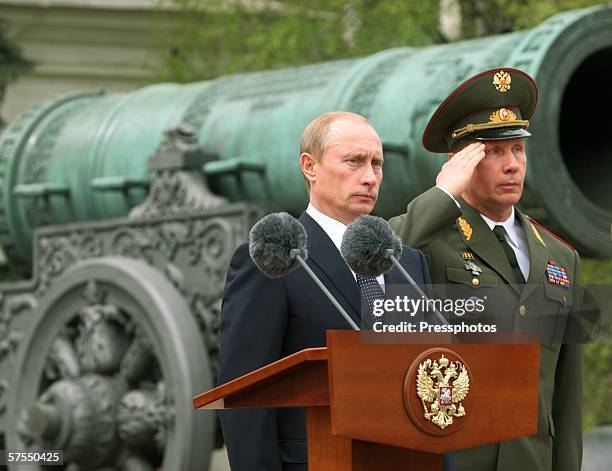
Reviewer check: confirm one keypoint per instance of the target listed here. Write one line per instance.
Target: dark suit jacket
(263, 320)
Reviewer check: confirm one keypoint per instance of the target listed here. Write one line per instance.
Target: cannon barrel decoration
(129, 206)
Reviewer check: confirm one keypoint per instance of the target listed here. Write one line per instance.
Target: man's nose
(511, 164)
(368, 177)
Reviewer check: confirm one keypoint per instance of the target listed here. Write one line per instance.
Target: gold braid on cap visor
(470, 128)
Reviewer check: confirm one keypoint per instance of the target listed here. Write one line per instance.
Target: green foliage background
(217, 37)
(11, 62)
(597, 365)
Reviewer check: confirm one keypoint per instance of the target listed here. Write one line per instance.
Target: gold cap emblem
(502, 115)
(442, 386)
(502, 80)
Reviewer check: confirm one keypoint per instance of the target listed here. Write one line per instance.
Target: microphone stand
(390, 253)
(295, 254)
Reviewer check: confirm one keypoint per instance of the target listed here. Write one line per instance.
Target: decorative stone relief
(207, 310)
(11, 306)
(179, 186)
(57, 253)
(104, 395)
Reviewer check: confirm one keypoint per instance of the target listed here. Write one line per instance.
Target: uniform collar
(510, 225)
(478, 236)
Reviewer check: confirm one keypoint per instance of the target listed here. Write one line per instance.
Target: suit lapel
(394, 276)
(391, 276)
(538, 255)
(323, 253)
(480, 238)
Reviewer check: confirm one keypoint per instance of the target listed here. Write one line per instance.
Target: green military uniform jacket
(434, 224)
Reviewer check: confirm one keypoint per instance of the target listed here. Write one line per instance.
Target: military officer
(473, 236)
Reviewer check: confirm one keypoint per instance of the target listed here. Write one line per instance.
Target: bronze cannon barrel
(84, 156)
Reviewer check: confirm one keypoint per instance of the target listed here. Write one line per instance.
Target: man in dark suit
(263, 320)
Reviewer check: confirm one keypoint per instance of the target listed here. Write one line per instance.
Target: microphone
(271, 242)
(367, 245)
(371, 248)
(278, 244)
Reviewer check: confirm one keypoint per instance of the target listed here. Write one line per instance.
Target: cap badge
(502, 115)
(465, 228)
(502, 80)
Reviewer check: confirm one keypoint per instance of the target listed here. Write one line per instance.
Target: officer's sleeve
(567, 405)
(426, 217)
(253, 321)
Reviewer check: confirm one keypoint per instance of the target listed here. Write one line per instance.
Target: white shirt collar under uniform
(511, 225)
(335, 230)
(515, 235)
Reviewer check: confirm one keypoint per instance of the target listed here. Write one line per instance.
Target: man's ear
(451, 155)
(308, 163)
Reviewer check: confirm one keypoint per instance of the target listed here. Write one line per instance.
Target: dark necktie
(370, 290)
(500, 233)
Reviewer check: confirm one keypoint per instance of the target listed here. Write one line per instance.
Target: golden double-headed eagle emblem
(502, 81)
(442, 386)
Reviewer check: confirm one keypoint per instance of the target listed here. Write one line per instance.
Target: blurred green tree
(486, 17)
(11, 62)
(217, 37)
(597, 377)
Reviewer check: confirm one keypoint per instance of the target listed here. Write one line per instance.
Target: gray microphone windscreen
(270, 243)
(365, 243)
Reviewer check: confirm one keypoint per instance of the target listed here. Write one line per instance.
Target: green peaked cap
(493, 105)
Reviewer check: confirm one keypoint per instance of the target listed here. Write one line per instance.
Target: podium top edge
(213, 399)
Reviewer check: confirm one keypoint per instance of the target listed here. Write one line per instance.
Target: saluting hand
(456, 174)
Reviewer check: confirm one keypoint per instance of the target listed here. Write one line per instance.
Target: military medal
(556, 274)
(471, 266)
(467, 256)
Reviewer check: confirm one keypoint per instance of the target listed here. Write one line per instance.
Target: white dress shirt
(335, 230)
(515, 235)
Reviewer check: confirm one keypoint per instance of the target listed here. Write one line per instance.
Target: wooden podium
(363, 410)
